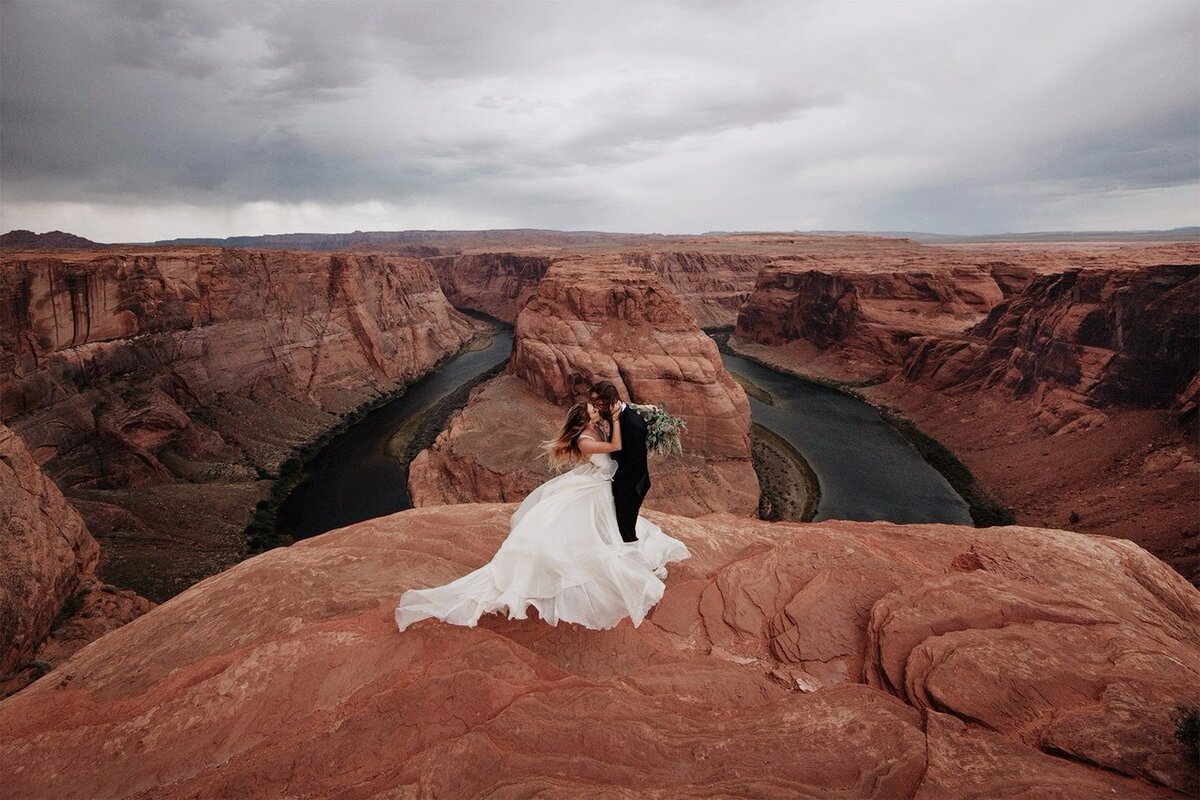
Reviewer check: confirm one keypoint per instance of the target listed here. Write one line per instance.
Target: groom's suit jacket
(632, 471)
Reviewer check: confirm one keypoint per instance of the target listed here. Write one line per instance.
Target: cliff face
(498, 284)
(712, 285)
(606, 320)
(47, 558)
(1073, 397)
(311, 326)
(935, 661)
(162, 389)
(47, 552)
(1095, 338)
(860, 322)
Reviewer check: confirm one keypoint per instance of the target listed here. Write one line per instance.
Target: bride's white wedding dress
(565, 557)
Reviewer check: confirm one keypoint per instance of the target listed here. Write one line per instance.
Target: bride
(564, 554)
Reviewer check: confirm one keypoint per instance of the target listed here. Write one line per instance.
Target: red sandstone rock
(862, 320)
(1053, 400)
(498, 284)
(712, 285)
(286, 675)
(46, 552)
(47, 565)
(613, 322)
(168, 383)
(489, 453)
(1085, 339)
(850, 310)
(605, 319)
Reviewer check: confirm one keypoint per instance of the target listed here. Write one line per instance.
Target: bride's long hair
(563, 450)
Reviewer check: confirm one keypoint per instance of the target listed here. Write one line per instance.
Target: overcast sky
(133, 121)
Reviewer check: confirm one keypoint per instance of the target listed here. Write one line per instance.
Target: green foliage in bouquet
(662, 436)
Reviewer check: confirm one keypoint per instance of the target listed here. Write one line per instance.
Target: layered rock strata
(1073, 398)
(48, 585)
(934, 661)
(1081, 340)
(860, 322)
(605, 320)
(161, 389)
(47, 552)
(849, 310)
(498, 284)
(713, 285)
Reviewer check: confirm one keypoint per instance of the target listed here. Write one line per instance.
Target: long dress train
(565, 557)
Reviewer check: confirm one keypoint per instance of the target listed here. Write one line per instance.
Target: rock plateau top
(857, 659)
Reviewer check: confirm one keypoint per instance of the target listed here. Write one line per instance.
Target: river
(354, 477)
(866, 470)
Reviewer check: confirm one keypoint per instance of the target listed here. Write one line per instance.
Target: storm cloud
(132, 121)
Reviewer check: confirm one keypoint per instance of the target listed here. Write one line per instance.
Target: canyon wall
(713, 285)
(1081, 340)
(859, 321)
(1072, 396)
(498, 284)
(46, 554)
(603, 319)
(162, 389)
(51, 603)
(784, 660)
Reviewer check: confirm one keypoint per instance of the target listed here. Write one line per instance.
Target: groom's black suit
(632, 481)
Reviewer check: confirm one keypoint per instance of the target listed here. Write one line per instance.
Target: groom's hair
(606, 392)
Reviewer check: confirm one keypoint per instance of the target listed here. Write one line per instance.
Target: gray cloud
(139, 120)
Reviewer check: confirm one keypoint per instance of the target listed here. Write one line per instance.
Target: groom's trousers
(628, 497)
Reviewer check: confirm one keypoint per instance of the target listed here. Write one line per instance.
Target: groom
(632, 480)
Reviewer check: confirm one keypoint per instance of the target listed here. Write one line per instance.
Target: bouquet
(662, 435)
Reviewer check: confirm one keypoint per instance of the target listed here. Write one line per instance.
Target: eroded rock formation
(1083, 340)
(607, 320)
(47, 573)
(859, 321)
(162, 389)
(47, 552)
(713, 285)
(858, 659)
(1072, 397)
(498, 284)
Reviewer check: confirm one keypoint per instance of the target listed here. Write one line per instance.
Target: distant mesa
(430, 243)
(51, 240)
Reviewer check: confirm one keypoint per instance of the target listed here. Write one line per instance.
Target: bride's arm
(588, 446)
